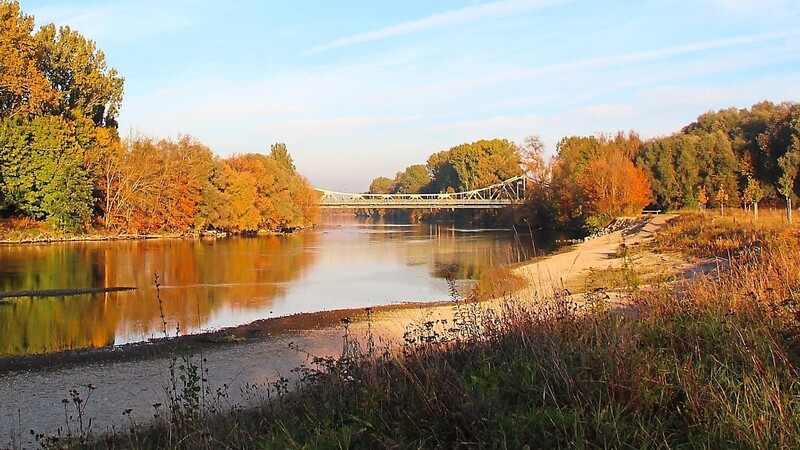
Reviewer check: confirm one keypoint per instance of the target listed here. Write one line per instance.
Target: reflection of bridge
(494, 196)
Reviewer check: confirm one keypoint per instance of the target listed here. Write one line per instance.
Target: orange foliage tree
(154, 186)
(24, 88)
(594, 179)
(615, 187)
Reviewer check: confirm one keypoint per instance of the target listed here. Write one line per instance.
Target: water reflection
(208, 284)
(199, 278)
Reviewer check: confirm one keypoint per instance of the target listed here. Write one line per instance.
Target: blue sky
(359, 89)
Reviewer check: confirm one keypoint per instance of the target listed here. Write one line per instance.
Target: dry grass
(712, 364)
(708, 234)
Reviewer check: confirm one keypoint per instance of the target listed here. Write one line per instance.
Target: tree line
(62, 159)
(734, 157)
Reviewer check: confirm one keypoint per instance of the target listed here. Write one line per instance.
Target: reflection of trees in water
(453, 253)
(197, 277)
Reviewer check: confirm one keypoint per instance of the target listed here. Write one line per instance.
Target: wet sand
(137, 376)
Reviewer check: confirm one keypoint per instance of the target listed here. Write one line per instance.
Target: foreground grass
(711, 364)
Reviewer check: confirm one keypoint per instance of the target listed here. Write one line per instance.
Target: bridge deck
(495, 196)
(419, 204)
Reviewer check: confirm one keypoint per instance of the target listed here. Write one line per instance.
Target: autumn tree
(702, 198)
(251, 192)
(615, 187)
(307, 200)
(228, 201)
(581, 192)
(187, 163)
(55, 95)
(104, 162)
(24, 89)
(157, 185)
(539, 205)
(273, 199)
(753, 194)
(61, 158)
(721, 197)
(532, 160)
(283, 199)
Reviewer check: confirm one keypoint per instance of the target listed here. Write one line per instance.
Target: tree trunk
(789, 209)
(755, 210)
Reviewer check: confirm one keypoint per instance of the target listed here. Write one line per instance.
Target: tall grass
(708, 234)
(710, 363)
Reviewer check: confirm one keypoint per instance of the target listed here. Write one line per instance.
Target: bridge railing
(500, 194)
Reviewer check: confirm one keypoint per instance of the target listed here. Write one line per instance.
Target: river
(207, 284)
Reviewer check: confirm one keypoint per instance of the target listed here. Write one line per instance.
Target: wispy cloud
(119, 21)
(441, 20)
(469, 84)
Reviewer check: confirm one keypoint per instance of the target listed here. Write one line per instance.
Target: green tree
(718, 167)
(776, 142)
(68, 201)
(412, 180)
(474, 166)
(281, 155)
(77, 70)
(381, 185)
(687, 172)
(39, 159)
(658, 160)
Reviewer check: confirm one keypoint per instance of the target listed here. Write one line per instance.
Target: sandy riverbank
(560, 273)
(135, 377)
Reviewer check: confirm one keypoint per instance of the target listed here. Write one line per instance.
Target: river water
(209, 284)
